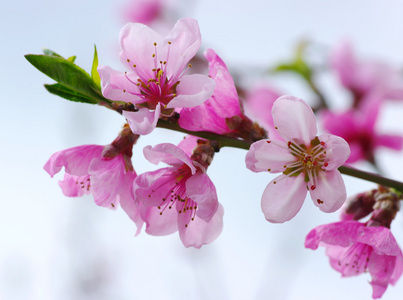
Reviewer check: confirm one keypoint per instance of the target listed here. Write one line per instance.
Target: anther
(269, 170)
(128, 60)
(268, 142)
(325, 164)
(112, 205)
(322, 143)
(169, 43)
(155, 44)
(313, 187)
(274, 182)
(319, 201)
(134, 66)
(124, 91)
(190, 65)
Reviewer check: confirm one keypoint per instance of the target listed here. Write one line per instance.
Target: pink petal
(381, 269)
(144, 121)
(137, 46)
(107, 177)
(330, 192)
(188, 144)
(116, 86)
(397, 272)
(193, 90)
(381, 239)
(283, 198)
(268, 155)
(185, 41)
(294, 119)
(337, 150)
(75, 186)
(75, 160)
(259, 104)
(169, 154)
(200, 232)
(342, 233)
(201, 190)
(157, 224)
(151, 188)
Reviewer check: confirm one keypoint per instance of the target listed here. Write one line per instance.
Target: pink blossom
(363, 77)
(156, 82)
(354, 248)
(178, 198)
(307, 161)
(144, 11)
(213, 114)
(358, 128)
(89, 170)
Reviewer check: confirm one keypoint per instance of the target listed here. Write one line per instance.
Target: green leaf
(72, 58)
(94, 72)
(69, 76)
(50, 52)
(69, 94)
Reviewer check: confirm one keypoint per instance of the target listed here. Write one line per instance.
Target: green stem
(225, 141)
(371, 177)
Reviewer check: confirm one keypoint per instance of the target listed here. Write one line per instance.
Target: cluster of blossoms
(159, 88)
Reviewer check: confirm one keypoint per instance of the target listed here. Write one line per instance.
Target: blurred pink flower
(179, 198)
(354, 248)
(358, 128)
(307, 161)
(92, 169)
(157, 81)
(144, 11)
(363, 77)
(222, 105)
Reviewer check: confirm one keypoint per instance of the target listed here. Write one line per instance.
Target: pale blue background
(54, 247)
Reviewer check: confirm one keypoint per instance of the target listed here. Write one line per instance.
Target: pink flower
(179, 198)
(156, 82)
(144, 11)
(213, 114)
(358, 128)
(98, 170)
(363, 77)
(354, 248)
(307, 161)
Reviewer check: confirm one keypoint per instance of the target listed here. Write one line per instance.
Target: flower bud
(359, 206)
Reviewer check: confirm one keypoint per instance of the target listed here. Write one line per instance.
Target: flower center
(310, 160)
(154, 85)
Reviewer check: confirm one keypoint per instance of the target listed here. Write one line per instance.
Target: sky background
(54, 247)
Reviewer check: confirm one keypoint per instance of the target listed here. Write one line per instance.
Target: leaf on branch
(94, 71)
(74, 83)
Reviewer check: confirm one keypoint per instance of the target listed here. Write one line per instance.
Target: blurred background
(54, 247)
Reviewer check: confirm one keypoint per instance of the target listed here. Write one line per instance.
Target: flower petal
(159, 224)
(381, 269)
(381, 239)
(268, 155)
(342, 233)
(330, 192)
(193, 90)
(151, 188)
(137, 47)
(144, 121)
(75, 160)
(200, 232)
(185, 41)
(107, 177)
(283, 198)
(294, 119)
(337, 150)
(201, 189)
(169, 154)
(116, 86)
